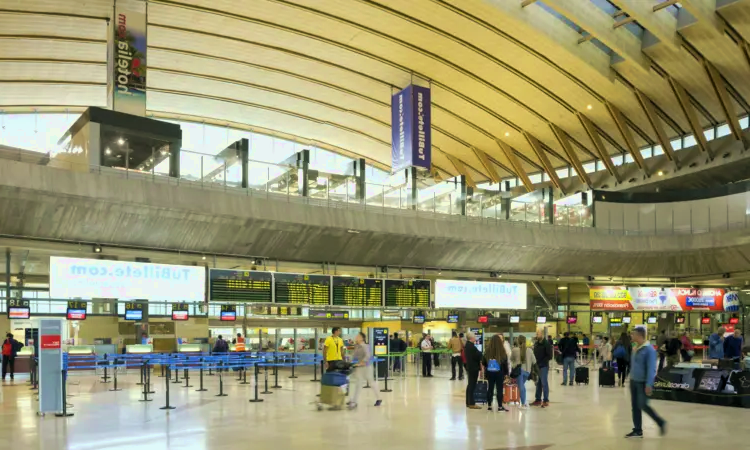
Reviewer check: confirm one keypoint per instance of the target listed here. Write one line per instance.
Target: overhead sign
(129, 53)
(125, 280)
(621, 298)
(407, 293)
(302, 289)
(354, 291)
(240, 286)
(479, 295)
(411, 136)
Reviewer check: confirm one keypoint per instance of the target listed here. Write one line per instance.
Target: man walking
(642, 375)
(10, 350)
(455, 347)
(569, 348)
(543, 354)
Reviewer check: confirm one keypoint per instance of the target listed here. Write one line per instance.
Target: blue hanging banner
(411, 137)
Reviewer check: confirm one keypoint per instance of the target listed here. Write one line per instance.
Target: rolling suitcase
(480, 392)
(606, 377)
(511, 394)
(582, 375)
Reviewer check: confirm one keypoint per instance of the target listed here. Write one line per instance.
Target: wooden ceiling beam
(653, 119)
(516, 164)
(461, 169)
(596, 139)
(542, 155)
(487, 164)
(691, 114)
(720, 88)
(564, 141)
(627, 136)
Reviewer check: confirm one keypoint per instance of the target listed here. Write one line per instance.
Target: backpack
(620, 352)
(493, 366)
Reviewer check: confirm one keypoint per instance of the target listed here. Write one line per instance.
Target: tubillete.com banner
(411, 136)
(129, 72)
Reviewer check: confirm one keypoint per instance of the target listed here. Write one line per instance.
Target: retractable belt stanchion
(105, 378)
(221, 380)
(143, 375)
(166, 392)
(265, 371)
(34, 374)
(386, 378)
(145, 388)
(64, 394)
(256, 399)
(162, 370)
(201, 377)
(239, 372)
(276, 372)
(148, 378)
(115, 376)
(294, 354)
(244, 372)
(187, 378)
(176, 373)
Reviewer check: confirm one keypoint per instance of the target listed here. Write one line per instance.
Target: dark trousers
(471, 385)
(396, 363)
(456, 361)
(426, 364)
(495, 380)
(9, 366)
(685, 356)
(436, 359)
(622, 369)
(639, 402)
(662, 357)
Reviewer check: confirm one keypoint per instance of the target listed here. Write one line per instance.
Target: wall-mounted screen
(418, 319)
(705, 320)
(479, 294)
(597, 319)
(734, 320)
(76, 314)
(125, 280)
(679, 319)
(452, 318)
(651, 320)
(541, 319)
(626, 319)
(133, 314)
(483, 319)
(514, 319)
(19, 312)
(572, 319)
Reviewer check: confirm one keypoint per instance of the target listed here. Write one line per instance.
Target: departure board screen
(354, 291)
(407, 293)
(303, 289)
(240, 286)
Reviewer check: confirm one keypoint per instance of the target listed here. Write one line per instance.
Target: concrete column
(7, 277)
(243, 152)
(303, 166)
(360, 183)
(549, 206)
(174, 158)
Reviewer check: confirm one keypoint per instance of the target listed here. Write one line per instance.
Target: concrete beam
(627, 136)
(653, 119)
(596, 139)
(663, 27)
(542, 155)
(720, 88)
(600, 25)
(562, 138)
(515, 164)
(700, 12)
(691, 114)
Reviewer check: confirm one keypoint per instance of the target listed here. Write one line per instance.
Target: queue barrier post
(115, 377)
(143, 375)
(202, 389)
(148, 378)
(256, 399)
(176, 374)
(221, 381)
(145, 388)
(64, 395)
(276, 372)
(265, 371)
(105, 378)
(186, 376)
(166, 392)
(386, 378)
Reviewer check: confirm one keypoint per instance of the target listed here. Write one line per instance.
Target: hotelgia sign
(128, 58)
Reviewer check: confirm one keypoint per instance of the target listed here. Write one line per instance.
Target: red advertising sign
(621, 298)
(50, 341)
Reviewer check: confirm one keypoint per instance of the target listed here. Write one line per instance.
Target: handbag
(515, 372)
(534, 374)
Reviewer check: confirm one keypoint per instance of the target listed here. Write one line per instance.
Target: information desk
(722, 387)
(139, 349)
(23, 360)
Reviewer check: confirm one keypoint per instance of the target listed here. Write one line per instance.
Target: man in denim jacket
(642, 374)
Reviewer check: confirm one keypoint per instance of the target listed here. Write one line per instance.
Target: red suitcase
(511, 394)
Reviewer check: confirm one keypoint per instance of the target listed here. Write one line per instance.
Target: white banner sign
(479, 295)
(96, 278)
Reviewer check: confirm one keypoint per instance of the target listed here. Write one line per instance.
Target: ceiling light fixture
(121, 141)
(660, 173)
(589, 107)
(507, 133)
(204, 257)
(108, 151)
(97, 248)
(352, 231)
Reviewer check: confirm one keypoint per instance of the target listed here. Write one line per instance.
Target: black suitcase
(480, 392)
(582, 375)
(606, 377)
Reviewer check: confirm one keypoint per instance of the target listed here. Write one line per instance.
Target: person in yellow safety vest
(240, 345)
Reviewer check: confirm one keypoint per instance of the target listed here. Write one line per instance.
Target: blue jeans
(521, 381)
(639, 403)
(542, 385)
(569, 365)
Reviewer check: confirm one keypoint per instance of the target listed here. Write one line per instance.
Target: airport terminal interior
(381, 224)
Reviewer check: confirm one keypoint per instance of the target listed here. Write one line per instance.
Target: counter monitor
(240, 286)
(19, 312)
(572, 319)
(626, 319)
(407, 293)
(597, 319)
(357, 292)
(483, 319)
(652, 319)
(680, 319)
(734, 320)
(615, 320)
(452, 318)
(327, 314)
(228, 313)
(705, 321)
(133, 314)
(180, 311)
(514, 319)
(76, 314)
(418, 319)
(302, 289)
(541, 319)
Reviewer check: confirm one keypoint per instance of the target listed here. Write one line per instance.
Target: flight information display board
(355, 291)
(240, 286)
(301, 289)
(407, 293)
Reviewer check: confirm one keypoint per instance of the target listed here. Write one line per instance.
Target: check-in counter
(23, 360)
(693, 384)
(77, 357)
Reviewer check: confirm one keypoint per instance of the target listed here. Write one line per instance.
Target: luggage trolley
(335, 386)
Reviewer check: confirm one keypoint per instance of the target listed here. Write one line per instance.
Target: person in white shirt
(606, 351)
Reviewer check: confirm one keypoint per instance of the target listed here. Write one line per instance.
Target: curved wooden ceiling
(505, 74)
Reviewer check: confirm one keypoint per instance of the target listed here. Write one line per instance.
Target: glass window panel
(590, 167)
(744, 122)
(722, 131)
(658, 150)
(536, 178)
(647, 152)
(690, 141)
(629, 158)
(562, 173)
(56, 307)
(676, 144)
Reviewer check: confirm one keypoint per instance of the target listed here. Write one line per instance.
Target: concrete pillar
(243, 153)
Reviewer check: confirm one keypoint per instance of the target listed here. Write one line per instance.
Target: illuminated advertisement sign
(125, 280)
(479, 294)
(129, 71)
(621, 298)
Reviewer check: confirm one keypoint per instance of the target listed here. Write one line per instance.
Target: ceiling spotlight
(589, 107)
(97, 248)
(558, 278)
(163, 152)
(660, 173)
(121, 141)
(203, 258)
(507, 133)
(352, 231)
(108, 151)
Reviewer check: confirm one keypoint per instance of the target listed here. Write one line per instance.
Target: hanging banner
(411, 136)
(621, 298)
(129, 55)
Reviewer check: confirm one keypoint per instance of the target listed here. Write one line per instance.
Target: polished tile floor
(418, 414)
